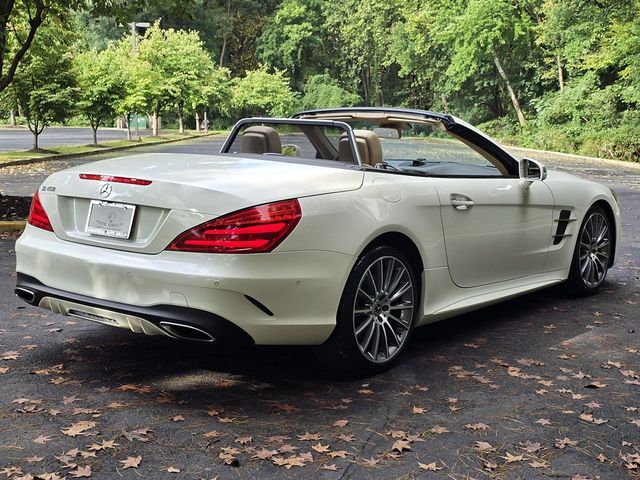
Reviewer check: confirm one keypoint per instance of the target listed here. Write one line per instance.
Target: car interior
(424, 149)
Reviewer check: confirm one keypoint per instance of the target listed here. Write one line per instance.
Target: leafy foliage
(262, 93)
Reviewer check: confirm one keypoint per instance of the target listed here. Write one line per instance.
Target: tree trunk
(560, 72)
(226, 35)
(12, 118)
(180, 117)
(35, 139)
(127, 120)
(154, 122)
(95, 135)
(197, 115)
(206, 122)
(512, 94)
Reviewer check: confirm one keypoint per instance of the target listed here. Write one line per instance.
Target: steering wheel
(387, 166)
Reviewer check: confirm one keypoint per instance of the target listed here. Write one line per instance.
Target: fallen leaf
(131, 462)
(79, 428)
(419, 410)
(339, 454)
(264, 454)
(42, 439)
(595, 385)
(438, 430)
(513, 458)
(331, 468)
(477, 426)
(177, 418)
(530, 447)
(429, 467)
(340, 423)
(538, 464)
(310, 437)
(244, 440)
(173, 470)
(320, 448)
(140, 434)
(103, 446)
(562, 443)
(484, 447)
(81, 472)
(401, 445)
(543, 421)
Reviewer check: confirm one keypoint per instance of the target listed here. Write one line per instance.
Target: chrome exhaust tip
(186, 332)
(26, 295)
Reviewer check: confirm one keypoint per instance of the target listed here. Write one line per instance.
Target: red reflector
(109, 178)
(37, 216)
(253, 230)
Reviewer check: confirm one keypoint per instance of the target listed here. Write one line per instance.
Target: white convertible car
(344, 229)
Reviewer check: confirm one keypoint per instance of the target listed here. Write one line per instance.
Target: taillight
(253, 230)
(111, 178)
(37, 216)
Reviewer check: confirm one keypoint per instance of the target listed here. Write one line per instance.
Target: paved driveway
(543, 386)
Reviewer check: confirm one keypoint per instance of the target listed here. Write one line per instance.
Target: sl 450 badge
(44, 188)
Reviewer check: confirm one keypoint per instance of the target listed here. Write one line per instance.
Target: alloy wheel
(383, 309)
(595, 249)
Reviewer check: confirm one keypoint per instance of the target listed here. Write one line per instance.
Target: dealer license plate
(110, 219)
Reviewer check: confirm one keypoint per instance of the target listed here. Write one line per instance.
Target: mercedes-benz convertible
(344, 229)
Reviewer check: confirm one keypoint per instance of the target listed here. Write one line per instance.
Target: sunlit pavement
(543, 386)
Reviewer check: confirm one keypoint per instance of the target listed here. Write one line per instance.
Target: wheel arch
(403, 243)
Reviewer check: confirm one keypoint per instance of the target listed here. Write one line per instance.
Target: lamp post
(134, 47)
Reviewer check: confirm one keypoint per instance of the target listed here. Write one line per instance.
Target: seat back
(259, 140)
(368, 145)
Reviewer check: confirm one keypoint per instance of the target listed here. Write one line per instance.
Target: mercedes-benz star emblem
(105, 190)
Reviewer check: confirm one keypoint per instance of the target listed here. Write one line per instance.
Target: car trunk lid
(179, 192)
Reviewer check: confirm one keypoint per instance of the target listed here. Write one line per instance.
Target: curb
(12, 226)
(67, 156)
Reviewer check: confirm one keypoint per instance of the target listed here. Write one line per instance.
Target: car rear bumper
(170, 320)
(275, 299)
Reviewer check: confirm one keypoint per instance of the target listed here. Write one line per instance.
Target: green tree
(321, 91)
(261, 92)
(44, 87)
(214, 94)
(294, 40)
(498, 32)
(101, 87)
(20, 21)
(180, 61)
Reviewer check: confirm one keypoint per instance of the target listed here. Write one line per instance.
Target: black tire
(343, 350)
(578, 283)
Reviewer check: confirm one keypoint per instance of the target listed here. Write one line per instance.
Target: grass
(56, 151)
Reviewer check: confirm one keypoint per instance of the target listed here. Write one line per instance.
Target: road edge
(67, 156)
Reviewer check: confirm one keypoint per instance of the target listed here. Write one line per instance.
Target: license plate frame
(110, 219)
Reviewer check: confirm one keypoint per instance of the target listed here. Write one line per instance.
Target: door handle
(460, 202)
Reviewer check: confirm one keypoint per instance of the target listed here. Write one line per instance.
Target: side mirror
(532, 171)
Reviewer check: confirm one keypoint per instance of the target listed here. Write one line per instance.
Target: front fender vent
(563, 221)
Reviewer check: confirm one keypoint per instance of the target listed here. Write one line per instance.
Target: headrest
(258, 139)
(368, 145)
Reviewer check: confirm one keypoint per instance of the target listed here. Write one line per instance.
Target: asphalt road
(544, 386)
(20, 138)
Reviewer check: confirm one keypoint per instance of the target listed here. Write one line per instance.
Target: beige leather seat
(259, 140)
(368, 144)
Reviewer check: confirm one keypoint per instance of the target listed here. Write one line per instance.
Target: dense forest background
(555, 74)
